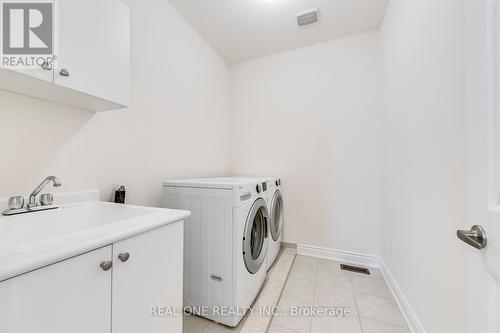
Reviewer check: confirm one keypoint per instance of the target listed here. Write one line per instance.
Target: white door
(483, 147)
(93, 48)
(147, 275)
(69, 296)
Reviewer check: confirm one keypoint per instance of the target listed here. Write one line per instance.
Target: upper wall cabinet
(92, 66)
(93, 52)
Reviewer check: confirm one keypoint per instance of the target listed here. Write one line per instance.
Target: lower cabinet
(70, 296)
(109, 290)
(147, 278)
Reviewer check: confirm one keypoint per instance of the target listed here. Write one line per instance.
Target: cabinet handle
(47, 66)
(106, 265)
(64, 72)
(124, 256)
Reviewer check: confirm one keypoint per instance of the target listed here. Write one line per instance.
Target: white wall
(423, 165)
(176, 126)
(311, 116)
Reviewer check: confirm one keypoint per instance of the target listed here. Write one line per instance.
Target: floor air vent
(355, 269)
(307, 17)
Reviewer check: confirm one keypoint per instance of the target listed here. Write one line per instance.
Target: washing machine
(225, 244)
(274, 198)
(276, 220)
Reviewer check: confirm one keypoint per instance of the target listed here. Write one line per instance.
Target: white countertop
(30, 241)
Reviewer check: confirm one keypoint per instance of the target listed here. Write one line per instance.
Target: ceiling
(241, 30)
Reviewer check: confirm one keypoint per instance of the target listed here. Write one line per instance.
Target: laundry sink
(33, 240)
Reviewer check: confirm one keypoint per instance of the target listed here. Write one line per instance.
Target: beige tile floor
(322, 284)
(194, 324)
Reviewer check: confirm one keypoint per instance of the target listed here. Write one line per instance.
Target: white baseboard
(414, 324)
(337, 255)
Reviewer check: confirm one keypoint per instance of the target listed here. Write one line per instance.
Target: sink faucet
(32, 200)
(16, 204)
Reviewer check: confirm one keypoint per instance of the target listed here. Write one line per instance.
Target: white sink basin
(32, 240)
(21, 231)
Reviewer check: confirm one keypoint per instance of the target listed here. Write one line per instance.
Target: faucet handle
(16, 202)
(46, 199)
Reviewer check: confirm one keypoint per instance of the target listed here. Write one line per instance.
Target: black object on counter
(120, 195)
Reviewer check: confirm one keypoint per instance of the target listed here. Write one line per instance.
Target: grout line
(315, 289)
(384, 322)
(285, 328)
(372, 277)
(381, 321)
(372, 294)
(356, 302)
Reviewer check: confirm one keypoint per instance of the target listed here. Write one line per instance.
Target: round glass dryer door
(255, 236)
(276, 212)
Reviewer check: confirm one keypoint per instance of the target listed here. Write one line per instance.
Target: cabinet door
(93, 48)
(37, 71)
(69, 296)
(152, 276)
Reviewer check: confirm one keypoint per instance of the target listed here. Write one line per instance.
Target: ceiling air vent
(307, 17)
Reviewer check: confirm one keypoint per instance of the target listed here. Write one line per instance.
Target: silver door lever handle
(64, 72)
(475, 237)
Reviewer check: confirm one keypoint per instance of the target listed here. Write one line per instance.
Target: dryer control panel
(249, 192)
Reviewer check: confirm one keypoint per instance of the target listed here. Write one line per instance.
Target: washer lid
(217, 183)
(255, 236)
